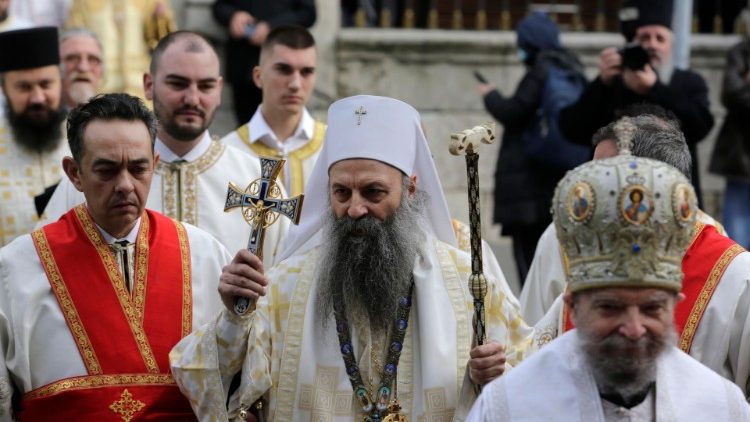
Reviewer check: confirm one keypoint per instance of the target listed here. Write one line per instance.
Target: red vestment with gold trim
(124, 337)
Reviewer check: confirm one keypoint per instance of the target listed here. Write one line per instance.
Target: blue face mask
(522, 55)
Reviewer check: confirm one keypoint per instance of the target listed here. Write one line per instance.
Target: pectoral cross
(261, 205)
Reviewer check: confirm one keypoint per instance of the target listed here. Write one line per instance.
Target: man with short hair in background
(282, 127)
(248, 23)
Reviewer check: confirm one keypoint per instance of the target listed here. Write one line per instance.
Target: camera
(634, 57)
(249, 30)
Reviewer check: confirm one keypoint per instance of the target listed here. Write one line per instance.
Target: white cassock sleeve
(739, 344)
(204, 363)
(7, 344)
(545, 280)
(492, 404)
(738, 353)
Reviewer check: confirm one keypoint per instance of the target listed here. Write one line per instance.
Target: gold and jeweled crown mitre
(624, 221)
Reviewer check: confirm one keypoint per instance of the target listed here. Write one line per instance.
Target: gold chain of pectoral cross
(376, 365)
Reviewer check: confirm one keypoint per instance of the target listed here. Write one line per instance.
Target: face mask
(522, 55)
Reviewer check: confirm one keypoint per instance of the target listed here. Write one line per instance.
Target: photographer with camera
(525, 177)
(642, 72)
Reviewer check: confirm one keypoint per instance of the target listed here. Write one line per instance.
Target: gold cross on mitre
(360, 112)
(261, 204)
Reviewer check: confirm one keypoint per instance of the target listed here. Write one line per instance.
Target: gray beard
(665, 71)
(622, 366)
(367, 265)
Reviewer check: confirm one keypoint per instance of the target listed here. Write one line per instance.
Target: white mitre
(377, 128)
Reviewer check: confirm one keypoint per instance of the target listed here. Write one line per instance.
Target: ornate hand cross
(261, 204)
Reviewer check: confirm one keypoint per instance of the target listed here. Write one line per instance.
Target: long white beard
(367, 265)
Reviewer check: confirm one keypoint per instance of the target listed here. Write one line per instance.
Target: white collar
(166, 154)
(260, 130)
(130, 237)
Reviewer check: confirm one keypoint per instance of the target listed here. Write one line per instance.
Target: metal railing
(570, 15)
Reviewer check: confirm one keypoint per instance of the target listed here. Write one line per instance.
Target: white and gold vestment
(287, 355)
(24, 174)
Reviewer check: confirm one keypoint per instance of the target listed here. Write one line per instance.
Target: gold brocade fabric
(121, 26)
(23, 175)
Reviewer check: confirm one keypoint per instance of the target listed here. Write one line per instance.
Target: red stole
(703, 265)
(124, 338)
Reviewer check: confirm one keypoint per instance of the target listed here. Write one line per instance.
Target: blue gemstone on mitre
(636, 248)
(633, 164)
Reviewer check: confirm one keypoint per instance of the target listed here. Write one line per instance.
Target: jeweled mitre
(624, 222)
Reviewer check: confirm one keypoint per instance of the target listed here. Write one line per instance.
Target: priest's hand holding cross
(261, 204)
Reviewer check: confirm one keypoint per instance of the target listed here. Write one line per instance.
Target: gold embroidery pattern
(463, 236)
(697, 230)
(691, 326)
(180, 191)
(169, 188)
(99, 381)
(141, 269)
(322, 399)
(66, 303)
(436, 407)
(126, 407)
(107, 257)
(290, 359)
(458, 297)
(296, 158)
(280, 306)
(545, 336)
(187, 291)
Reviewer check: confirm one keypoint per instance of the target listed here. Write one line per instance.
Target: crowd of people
(120, 265)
